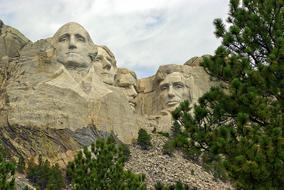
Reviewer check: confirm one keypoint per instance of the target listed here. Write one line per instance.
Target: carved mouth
(71, 53)
(172, 102)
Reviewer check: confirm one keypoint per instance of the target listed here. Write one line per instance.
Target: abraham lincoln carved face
(173, 89)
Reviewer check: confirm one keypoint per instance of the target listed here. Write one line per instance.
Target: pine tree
(7, 171)
(101, 167)
(144, 139)
(45, 176)
(239, 129)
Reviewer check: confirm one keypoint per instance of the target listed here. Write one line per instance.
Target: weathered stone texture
(61, 93)
(11, 41)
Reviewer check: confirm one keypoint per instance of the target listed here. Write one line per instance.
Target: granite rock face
(61, 93)
(11, 41)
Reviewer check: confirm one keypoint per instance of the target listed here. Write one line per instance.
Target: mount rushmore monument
(58, 94)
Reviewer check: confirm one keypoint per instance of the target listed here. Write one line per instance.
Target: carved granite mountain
(59, 94)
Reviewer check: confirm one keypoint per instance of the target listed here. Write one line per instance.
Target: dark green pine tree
(144, 139)
(45, 176)
(239, 128)
(101, 167)
(7, 171)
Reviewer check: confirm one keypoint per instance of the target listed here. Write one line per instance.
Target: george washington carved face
(73, 45)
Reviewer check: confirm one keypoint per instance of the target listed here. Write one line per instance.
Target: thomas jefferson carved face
(73, 45)
(173, 90)
(105, 65)
(127, 80)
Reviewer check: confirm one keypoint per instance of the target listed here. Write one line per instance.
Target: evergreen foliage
(177, 186)
(169, 148)
(144, 139)
(101, 167)
(45, 176)
(238, 130)
(126, 152)
(7, 171)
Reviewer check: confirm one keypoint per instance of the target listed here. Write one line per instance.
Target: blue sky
(143, 34)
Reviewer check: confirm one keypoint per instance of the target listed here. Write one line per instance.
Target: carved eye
(109, 59)
(63, 39)
(80, 38)
(106, 65)
(179, 85)
(164, 87)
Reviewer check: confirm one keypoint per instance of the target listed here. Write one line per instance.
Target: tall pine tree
(239, 129)
(101, 167)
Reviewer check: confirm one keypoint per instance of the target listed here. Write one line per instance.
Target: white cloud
(142, 34)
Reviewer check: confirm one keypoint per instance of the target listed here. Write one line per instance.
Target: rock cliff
(61, 93)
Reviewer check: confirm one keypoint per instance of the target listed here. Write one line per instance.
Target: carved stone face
(73, 45)
(128, 82)
(173, 90)
(105, 66)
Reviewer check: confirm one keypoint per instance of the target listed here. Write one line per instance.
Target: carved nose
(72, 44)
(133, 92)
(171, 92)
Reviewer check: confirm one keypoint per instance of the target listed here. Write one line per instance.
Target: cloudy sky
(143, 34)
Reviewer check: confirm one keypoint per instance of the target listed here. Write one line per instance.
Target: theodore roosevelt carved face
(105, 65)
(73, 45)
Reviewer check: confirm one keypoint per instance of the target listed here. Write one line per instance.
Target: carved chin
(73, 61)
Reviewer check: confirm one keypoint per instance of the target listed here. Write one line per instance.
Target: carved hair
(165, 70)
(126, 71)
(58, 32)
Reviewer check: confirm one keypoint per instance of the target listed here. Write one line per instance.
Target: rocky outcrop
(11, 41)
(61, 93)
(168, 170)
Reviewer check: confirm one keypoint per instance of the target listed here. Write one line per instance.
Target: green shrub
(169, 148)
(45, 176)
(7, 171)
(144, 139)
(126, 151)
